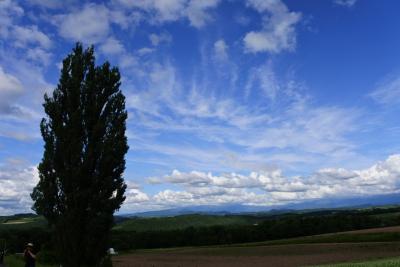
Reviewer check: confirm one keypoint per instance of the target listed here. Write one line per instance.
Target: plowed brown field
(257, 256)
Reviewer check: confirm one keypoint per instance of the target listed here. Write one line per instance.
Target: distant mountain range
(327, 203)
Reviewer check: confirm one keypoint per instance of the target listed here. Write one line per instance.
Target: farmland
(298, 238)
(22, 221)
(291, 252)
(277, 256)
(306, 251)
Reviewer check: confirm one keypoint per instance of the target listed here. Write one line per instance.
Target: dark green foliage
(271, 229)
(182, 222)
(81, 182)
(285, 226)
(16, 238)
(106, 262)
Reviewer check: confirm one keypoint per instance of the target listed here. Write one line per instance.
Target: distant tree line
(271, 227)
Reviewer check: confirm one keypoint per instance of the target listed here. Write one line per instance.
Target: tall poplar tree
(81, 183)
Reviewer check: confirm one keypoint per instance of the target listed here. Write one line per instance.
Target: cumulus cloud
(134, 195)
(193, 178)
(332, 174)
(198, 11)
(345, 3)
(269, 180)
(91, 24)
(206, 188)
(278, 32)
(17, 179)
(160, 11)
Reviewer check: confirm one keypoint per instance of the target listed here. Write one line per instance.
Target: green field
(24, 221)
(282, 248)
(391, 262)
(389, 215)
(332, 238)
(200, 236)
(140, 224)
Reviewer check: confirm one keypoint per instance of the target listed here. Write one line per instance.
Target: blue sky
(258, 102)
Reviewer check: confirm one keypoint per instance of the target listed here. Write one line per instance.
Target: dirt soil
(392, 229)
(265, 256)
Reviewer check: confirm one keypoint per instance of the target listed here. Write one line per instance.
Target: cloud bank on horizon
(253, 102)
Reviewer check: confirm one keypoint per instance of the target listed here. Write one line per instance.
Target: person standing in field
(29, 256)
(2, 258)
(3, 254)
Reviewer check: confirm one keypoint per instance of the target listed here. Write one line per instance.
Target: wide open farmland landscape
(305, 251)
(189, 133)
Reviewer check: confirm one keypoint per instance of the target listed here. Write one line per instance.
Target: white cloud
(346, 3)
(21, 109)
(145, 51)
(388, 91)
(91, 24)
(336, 174)
(17, 180)
(30, 35)
(112, 46)
(198, 11)
(170, 197)
(288, 132)
(23, 38)
(9, 10)
(39, 55)
(17, 130)
(264, 78)
(51, 4)
(221, 49)
(278, 32)
(128, 61)
(135, 196)
(193, 178)
(157, 39)
(46, 3)
(10, 89)
(318, 130)
(275, 188)
(160, 11)
(268, 180)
